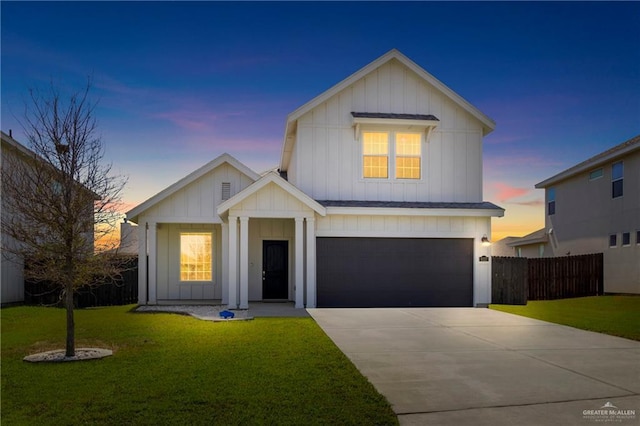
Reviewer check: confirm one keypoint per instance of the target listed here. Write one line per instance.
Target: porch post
(142, 263)
(153, 261)
(299, 262)
(244, 262)
(225, 263)
(311, 263)
(233, 262)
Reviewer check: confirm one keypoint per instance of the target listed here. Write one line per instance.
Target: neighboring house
(377, 202)
(535, 244)
(12, 267)
(594, 207)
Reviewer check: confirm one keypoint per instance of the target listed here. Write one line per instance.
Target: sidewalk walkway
(212, 312)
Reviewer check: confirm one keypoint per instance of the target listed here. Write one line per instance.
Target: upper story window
(386, 154)
(408, 155)
(596, 174)
(551, 201)
(617, 178)
(375, 155)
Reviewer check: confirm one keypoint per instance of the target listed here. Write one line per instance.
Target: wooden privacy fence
(516, 280)
(120, 291)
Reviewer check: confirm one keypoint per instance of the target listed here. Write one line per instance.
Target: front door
(275, 270)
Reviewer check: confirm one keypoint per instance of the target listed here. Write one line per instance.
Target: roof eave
(593, 162)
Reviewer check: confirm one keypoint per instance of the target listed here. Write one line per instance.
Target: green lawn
(615, 315)
(170, 369)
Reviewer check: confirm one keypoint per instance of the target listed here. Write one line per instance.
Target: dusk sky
(180, 83)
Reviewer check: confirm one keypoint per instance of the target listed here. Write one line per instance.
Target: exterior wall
(586, 215)
(199, 200)
(533, 251)
(271, 201)
(169, 286)
(12, 276)
(419, 227)
(326, 162)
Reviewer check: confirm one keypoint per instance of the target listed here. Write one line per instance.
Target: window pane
(613, 240)
(195, 257)
(551, 208)
(616, 188)
(595, 174)
(551, 194)
(408, 144)
(626, 238)
(375, 167)
(617, 171)
(408, 168)
(375, 143)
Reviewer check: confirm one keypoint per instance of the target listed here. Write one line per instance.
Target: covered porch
(268, 244)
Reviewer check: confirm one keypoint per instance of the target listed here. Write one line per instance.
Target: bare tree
(60, 197)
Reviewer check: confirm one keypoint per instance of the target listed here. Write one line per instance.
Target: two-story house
(594, 207)
(377, 201)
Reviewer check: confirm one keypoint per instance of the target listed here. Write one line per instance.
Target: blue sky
(180, 83)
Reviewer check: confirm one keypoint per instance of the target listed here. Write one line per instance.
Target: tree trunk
(71, 328)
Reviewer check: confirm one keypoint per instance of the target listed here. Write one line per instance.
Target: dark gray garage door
(400, 272)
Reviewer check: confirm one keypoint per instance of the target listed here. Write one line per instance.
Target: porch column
(233, 262)
(244, 262)
(299, 262)
(311, 262)
(142, 263)
(225, 263)
(153, 261)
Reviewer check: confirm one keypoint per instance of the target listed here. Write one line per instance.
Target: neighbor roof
(536, 237)
(488, 124)
(598, 160)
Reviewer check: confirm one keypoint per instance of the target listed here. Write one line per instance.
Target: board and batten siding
(198, 201)
(326, 161)
(169, 286)
(271, 201)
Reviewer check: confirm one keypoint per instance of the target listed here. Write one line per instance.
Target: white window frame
(196, 232)
(391, 153)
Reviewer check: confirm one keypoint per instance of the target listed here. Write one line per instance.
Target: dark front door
(275, 270)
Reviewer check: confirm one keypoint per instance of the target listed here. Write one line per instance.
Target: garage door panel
(387, 272)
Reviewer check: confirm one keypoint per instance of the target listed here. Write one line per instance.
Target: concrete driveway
(456, 366)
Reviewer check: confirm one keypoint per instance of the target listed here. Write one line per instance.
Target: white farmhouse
(377, 202)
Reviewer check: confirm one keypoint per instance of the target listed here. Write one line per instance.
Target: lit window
(551, 201)
(617, 175)
(596, 174)
(613, 240)
(408, 156)
(375, 154)
(195, 256)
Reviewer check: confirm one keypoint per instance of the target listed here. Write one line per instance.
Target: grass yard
(615, 315)
(171, 369)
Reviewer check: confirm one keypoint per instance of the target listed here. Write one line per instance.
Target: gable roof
(167, 192)
(604, 157)
(272, 177)
(488, 124)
